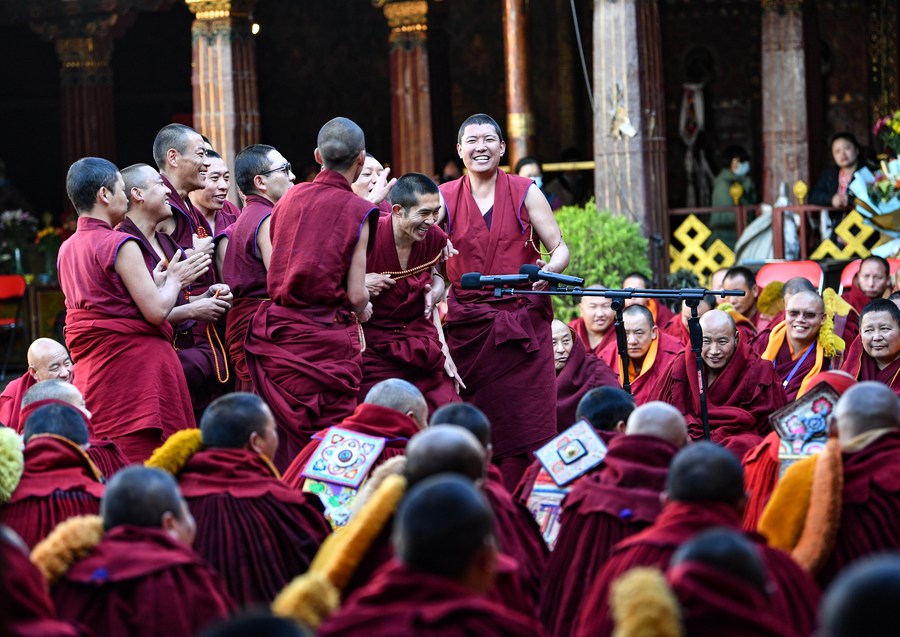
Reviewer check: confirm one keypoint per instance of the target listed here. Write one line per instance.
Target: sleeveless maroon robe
(402, 601)
(862, 367)
(739, 400)
(245, 273)
(796, 599)
(302, 347)
(58, 482)
(141, 582)
(11, 401)
(400, 341)
(604, 507)
(127, 370)
(371, 420)
(582, 373)
(257, 532)
(582, 333)
(502, 347)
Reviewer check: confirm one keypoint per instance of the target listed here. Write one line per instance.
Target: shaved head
(809, 297)
(402, 396)
(797, 284)
(444, 449)
(49, 359)
(660, 420)
(704, 472)
(863, 599)
(720, 339)
(60, 420)
(605, 407)
(339, 143)
(139, 496)
(468, 417)
(717, 319)
(639, 311)
(725, 549)
(55, 389)
(865, 407)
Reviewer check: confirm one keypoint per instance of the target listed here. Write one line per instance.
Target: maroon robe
(582, 373)
(11, 401)
(714, 602)
(303, 347)
(59, 481)
(870, 515)
(245, 273)
(796, 598)
(188, 222)
(257, 532)
(660, 311)
(115, 347)
(761, 469)
(785, 363)
(856, 297)
(224, 219)
(402, 601)
(642, 387)
(739, 400)
(25, 605)
(582, 334)
(400, 341)
(502, 347)
(141, 582)
(675, 328)
(371, 420)
(862, 367)
(616, 501)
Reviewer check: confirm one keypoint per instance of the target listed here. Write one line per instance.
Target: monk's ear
(755, 290)
(318, 157)
(620, 427)
(655, 331)
(397, 208)
(459, 150)
(33, 371)
(664, 499)
(172, 157)
(259, 183)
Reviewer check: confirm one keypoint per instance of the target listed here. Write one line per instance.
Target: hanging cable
(587, 79)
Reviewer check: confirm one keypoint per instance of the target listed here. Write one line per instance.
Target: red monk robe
(188, 223)
(127, 370)
(582, 373)
(245, 273)
(795, 599)
(400, 341)
(371, 420)
(25, 605)
(401, 601)
(609, 338)
(740, 399)
(795, 369)
(660, 311)
(621, 498)
(862, 367)
(675, 328)
(714, 602)
(255, 531)
(11, 401)
(501, 347)
(59, 482)
(662, 350)
(856, 297)
(141, 582)
(303, 347)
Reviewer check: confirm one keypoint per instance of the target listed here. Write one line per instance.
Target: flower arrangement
(888, 129)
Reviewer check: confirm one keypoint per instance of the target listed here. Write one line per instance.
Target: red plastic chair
(12, 294)
(809, 270)
(852, 268)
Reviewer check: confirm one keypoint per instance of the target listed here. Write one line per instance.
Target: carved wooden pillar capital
(782, 6)
(408, 20)
(219, 9)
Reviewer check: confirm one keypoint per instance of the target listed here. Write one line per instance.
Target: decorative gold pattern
(800, 191)
(693, 234)
(520, 124)
(84, 53)
(219, 9)
(405, 16)
(855, 233)
(736, 191)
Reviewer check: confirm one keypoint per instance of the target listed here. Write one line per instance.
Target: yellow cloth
(776, 340)
(649, 359)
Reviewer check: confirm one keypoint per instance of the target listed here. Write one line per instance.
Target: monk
(875, 355)
(660, 311)
(303, 346)
(717, 281)
(618, 499)
(677, 326)
(102, 451)
(142, 579)
(404, 337)
(705, 490)
(116, 311)
(497, 222)
(762, 465)
(649, 352)
(209, 201)
(46, 359)
(862, 600)
(852, 497)
(254, 530)
(794, 347)
(394, 409)
(577, 372)
(873, 281)
(446, 551)
(373, 184)
(59, 480)
(743, 279)
(264, 176)
(596, 325)
(25, 604)
(203, 359)
(742, 389)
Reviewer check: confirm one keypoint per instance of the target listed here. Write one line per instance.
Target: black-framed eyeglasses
(286, 169)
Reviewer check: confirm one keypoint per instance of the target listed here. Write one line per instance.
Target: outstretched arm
(547, 230)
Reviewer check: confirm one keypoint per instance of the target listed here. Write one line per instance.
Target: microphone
(476, 281)
(536, 274)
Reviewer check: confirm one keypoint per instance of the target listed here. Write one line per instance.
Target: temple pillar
(411, 137)
(785, 121)
(629, 118)
(226, 99)
(519, 116)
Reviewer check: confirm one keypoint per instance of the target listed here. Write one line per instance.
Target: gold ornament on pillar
(219, 9)
(408, 19)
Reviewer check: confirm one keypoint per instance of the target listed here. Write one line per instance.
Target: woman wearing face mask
(737, 170)
(530, 168)
(831, 189)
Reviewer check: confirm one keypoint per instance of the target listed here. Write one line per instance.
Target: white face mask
(742, 168)
(539, 181)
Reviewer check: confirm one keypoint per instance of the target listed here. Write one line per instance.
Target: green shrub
(604, 248)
